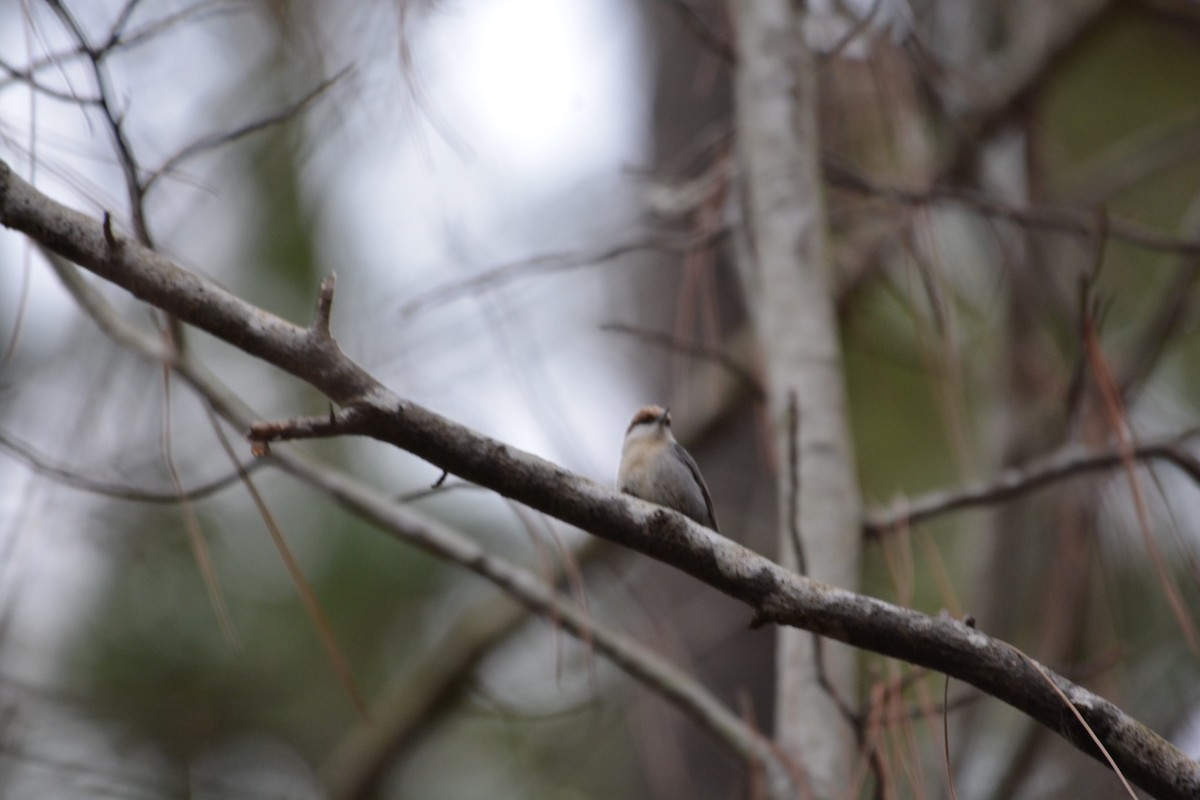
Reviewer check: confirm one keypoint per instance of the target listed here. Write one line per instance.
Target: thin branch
(853, 33)
(122, 19)
(1000, 90)
(980, 113)
(779, 596)
(350, 421)
(714, 354)
(1118, 422)
(1068, 462)
(1072, 705)
(357, 762)
(117, 41)
(201, 553)
(109, 320)
(43, 465)
(1154, 148)
(308, 597)
(946, 763)
(703, 30)
(1062, 220)
(793, 422)
(215, 140)
(115, 122)
(26, 76)
(548, 264)
(1146, 351)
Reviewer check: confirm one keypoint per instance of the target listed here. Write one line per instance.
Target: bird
(657, 468)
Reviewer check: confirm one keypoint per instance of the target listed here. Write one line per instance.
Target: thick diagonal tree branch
(777, 595)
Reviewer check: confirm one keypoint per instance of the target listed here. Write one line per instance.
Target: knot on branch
(111, 242)
(350, 420)
(319, 329)
(760, 619)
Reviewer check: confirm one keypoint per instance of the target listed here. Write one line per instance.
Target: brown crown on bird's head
(650, 414)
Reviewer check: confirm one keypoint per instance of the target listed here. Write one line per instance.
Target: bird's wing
(686, 458)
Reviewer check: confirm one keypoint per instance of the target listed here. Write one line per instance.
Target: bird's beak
(665, 419)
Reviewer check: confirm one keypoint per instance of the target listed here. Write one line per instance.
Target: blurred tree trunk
(786, 274)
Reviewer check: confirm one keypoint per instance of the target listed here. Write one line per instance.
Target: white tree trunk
(786, 276)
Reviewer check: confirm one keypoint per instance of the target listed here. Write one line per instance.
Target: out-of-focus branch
(1062, 220)
(715, 355)
(778, 596)
(360, 758)
(1069, 462)
(403, 709)
(117, 40)
(1152, 150)
(980, 112)
(1001, 88)
(43, 465)
(702, 29)
(26, 76)
(1157, 331)
(114, 119)
(549, 264)
(215, 140)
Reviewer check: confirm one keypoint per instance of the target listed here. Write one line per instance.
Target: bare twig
(349, 421)
(122, 19)
(308, 597)
(1068, 462)
(357, 762)
(1061, 220)
(1154, 148)
(979, 114)
(946, 764)
(548, 264)
(1118, 423)
(999, 92)
(1144, 354)
(853, 33)
(114, 120)
(703, 29)
(213, 141)
(43, 465)
(25, 75)
(117, 40)
(1073, 705)
(191, 520)
(793, 481)
(714, 354)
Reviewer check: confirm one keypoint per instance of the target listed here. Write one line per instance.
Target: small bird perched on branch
(655, 467)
